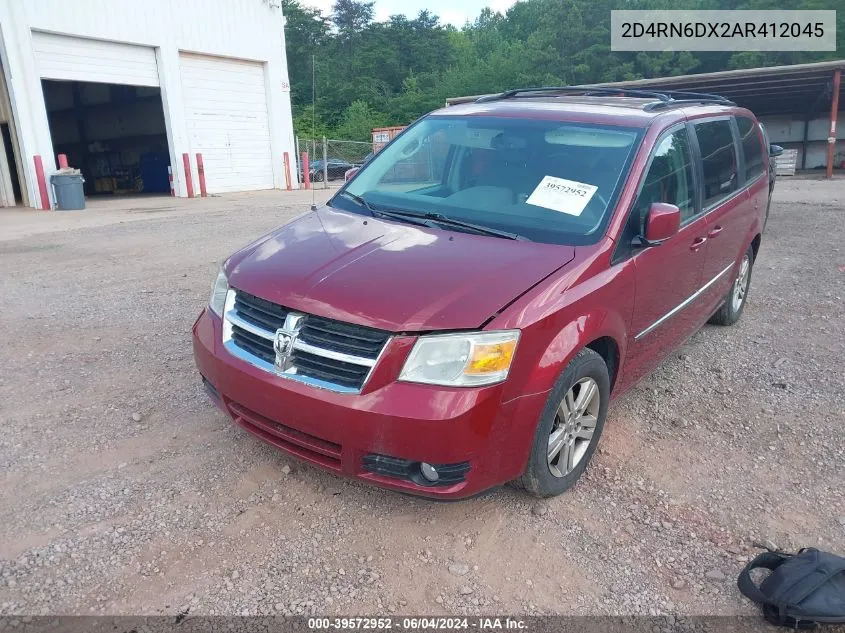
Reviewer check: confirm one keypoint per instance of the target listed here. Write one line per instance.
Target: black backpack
(803, 590)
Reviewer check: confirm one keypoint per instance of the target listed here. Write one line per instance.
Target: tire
(318, 176)
(544, 477)
(734, 304)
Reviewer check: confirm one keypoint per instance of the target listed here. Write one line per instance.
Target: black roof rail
(683, 97)
(584, 90)
(664, 98)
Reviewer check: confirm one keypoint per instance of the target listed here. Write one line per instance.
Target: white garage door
(226, 114)
(80, 59)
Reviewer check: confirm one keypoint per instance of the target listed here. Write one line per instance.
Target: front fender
(557, 321)
(563, 316)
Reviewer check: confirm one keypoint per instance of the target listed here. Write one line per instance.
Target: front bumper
(337, 431)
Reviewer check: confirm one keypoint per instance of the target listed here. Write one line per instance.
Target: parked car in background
(462, 312)
(335, 167)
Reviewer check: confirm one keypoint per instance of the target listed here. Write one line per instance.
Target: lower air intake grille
(397, 468)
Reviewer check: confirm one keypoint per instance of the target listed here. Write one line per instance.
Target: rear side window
(751, 148)
(719, 161)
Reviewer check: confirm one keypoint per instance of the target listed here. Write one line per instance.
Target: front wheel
(734, 303)
(570, 426)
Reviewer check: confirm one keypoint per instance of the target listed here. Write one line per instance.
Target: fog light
(429, 472)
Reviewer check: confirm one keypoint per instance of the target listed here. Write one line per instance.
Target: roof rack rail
(664, 98)
(586, 90)
(680, 97)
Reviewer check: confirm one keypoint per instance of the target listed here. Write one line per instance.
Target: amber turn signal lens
(491, 357)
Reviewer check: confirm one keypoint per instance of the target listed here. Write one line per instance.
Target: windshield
(549, 181)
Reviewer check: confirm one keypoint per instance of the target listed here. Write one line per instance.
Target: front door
(668, 276)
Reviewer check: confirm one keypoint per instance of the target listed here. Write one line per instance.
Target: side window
(718, 157)
(751, 148)
(669, 177)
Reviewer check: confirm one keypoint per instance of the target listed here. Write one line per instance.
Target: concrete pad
(19, 223)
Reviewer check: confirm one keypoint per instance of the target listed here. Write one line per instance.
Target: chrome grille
(342, 337)
(260, 312)
(326, 353)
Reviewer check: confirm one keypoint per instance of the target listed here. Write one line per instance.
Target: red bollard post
(42, 182)
(201, 174)
(63, 161)
(189, 179)
(306, 171)
(287, 171)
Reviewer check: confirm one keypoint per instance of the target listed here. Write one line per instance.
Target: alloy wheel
(741, 284)
(574, 427)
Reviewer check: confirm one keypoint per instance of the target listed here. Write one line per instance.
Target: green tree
(351, 16)
(305, 125)
(305, 31)
(371, 73)
(358, 122)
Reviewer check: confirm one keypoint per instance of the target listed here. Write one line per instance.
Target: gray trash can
(68, 190)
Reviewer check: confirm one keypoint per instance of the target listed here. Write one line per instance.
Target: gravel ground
(125, 491)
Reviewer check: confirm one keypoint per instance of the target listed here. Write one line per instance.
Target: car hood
(387, 275)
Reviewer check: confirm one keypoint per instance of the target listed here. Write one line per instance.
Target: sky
(450, 11)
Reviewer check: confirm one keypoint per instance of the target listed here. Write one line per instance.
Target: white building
(125, 88)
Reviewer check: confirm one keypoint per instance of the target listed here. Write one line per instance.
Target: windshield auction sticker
(566, 196)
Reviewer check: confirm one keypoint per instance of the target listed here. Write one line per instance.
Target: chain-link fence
(330, 159)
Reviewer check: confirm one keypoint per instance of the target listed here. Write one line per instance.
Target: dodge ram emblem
(285, 339)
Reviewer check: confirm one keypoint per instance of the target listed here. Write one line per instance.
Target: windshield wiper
(443, 220)
(359, 200)
(394, 214)
(403, 216)
(427, 219)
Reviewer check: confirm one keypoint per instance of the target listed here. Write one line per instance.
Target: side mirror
(775, 150)
(661, 223)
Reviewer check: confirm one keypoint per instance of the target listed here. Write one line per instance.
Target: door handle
(715, 231)
(697, 243)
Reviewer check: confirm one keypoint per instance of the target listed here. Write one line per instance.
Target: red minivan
(460, 314)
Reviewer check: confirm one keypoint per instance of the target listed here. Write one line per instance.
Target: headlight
(218, 293)
(461, 360)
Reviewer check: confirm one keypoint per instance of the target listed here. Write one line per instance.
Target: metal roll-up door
(81, 59)
(227, 121)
